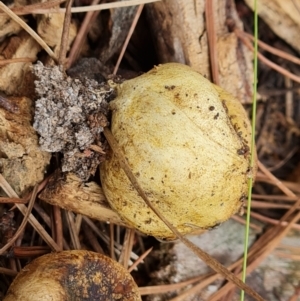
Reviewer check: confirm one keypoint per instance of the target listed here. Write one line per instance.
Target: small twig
(111, 241)
(242, 221)
(24, 222)
(139, 260)
(29, 9)
(212, 40)
(210, 261)
(276, 181)
(17, 60)
(72, 230)
(267, 61)
(32, 251)
(196, 288)
(105, 238)
(32, 220)
(160, 289)
(81, 34)
(271, 221)
(92, 239)
(127, 247)
(34, 35)
(82, 9)
(257, 257)
(5, 200)
(129, 34)
(274, 50)
(78, 223)
(65, 34)
(58, 226)
(8, 272)
(271, 238)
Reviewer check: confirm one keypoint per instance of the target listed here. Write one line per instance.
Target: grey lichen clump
(69, 116)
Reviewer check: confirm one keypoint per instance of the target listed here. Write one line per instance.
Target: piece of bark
(17, 78)
(282, 17)
(22, 163)
(121, 20)
(179, 32)
(69, 192)
(50, 28)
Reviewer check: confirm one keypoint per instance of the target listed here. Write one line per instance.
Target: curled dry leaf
(69, 192)
(22, 163)
(73, 275)
(282, 17)
(50, 28)
(8, 26)
(16, 79)
(188, 143)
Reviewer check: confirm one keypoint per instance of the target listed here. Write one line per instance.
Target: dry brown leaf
(50, 29)
(282, 17)
(14, 77)
(22, 162)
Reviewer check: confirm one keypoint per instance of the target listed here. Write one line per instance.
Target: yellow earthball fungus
(188, 143)
(73, 275)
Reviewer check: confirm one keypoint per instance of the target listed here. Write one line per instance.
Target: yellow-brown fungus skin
(188, 143)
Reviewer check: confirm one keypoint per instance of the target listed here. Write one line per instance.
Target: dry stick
(32, 220)
(159, 289)
(195, 289)
(111, 241)
(8, 272)
(212, 40)
(129, 34)
(274, 50)
(259, 257)
(92, 239)
(267, 61)
(72, 230)
(229, 295)
(6, 200)
(127, 247)
(58, 226)
(24, 222)
(17, 60)
(65, 34)
(78, 223)
(82, 9)
(276, 181)
(27, 9)
(25, 252)
(210, 261)
(34, 35)
(139, 260)
(242, 221)
(271, 221)
(271, 238)
(81, 34)
(275, 197)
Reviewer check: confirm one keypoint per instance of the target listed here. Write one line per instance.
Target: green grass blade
(250, 183)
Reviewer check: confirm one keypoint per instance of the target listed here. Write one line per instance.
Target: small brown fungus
(73, 275)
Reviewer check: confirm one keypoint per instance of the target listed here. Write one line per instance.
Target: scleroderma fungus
(73, 275)
(188, 143)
